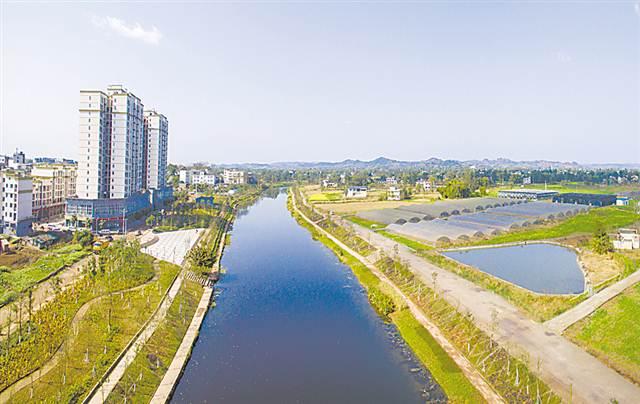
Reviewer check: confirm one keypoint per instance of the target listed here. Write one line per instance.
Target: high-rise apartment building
(157, 142)
(123, 152)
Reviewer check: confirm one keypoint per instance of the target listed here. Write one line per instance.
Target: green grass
(159, 349)
(612, 333)
(609, 218)
(445, 371)
(325, 197)
(456, 386)
(413, 244)
(365, 222)
(568, 188)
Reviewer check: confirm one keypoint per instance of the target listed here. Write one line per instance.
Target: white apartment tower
(127, 143)
(157, 138)
(123, 149)
(94, 157)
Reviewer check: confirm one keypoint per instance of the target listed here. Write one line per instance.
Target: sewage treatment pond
(539, 267)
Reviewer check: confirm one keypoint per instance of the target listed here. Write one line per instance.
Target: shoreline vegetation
(509, 376)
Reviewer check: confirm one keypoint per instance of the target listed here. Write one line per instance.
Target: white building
(622, 201)
(234, 177)
(356, 192)
(17, 195)
(627, 239)
(120, 156)
(157, 142)
(189, 177)
(204, 178)
(52, 185)
(394, 194)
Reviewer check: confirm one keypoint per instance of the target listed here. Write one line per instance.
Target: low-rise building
(193, 177)
(529, 194)
(586, 199)
(17, 198)
(52, 185)
(394, 194)
(622, 201)
(627, 239)
(356, 192)
(234, 177)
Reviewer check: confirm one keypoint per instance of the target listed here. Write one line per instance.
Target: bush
(381, 301)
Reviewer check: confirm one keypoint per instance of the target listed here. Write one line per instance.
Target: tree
(601, 243)
(84, 237)
(201, 257)
(150, 220)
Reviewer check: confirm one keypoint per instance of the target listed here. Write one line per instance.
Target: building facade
(52, 185)
(157, 142)
(234, 177)
(17, 194)
(356, 192)
(527, 194)
(122, 155)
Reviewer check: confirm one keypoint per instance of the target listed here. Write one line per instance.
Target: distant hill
(386, 163)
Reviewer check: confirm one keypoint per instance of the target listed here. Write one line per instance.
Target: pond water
(539, 267)
(292, 325)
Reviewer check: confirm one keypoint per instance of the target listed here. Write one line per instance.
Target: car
(104, 232)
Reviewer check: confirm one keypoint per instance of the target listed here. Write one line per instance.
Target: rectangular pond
(539, 267)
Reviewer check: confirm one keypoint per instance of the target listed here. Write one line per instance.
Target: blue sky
(275, 81)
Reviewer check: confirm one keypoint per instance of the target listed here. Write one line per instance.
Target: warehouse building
(586, 199)
(528, 194)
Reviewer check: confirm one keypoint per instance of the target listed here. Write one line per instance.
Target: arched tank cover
(444, 214)
(455, 212)
(414, 220)
(401, 221)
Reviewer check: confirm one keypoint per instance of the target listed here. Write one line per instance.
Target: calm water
(291, 325)
(542, 268)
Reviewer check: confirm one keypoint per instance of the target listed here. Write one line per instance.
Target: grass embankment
(612, 333)
(86, 326)
(144, 374)
(444, 370)
(608, 218)
(370, 224)
(16, 280)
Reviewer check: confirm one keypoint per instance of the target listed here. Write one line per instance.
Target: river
(293, 325)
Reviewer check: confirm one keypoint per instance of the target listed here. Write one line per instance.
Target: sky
(327, 81)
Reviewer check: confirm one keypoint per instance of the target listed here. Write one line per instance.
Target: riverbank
(453, 376)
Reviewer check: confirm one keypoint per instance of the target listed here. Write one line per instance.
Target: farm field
(570, 187)
(30, 267)
(609, 218)
(612, 333)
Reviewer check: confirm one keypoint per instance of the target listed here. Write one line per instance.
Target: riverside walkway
(569, 370)
(172, 247)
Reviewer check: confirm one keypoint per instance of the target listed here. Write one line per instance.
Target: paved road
(173, 246)
(569, 317)
(569, 370)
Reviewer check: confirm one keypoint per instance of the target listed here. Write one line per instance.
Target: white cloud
(563, 57)
(636, 8)
(133, 31)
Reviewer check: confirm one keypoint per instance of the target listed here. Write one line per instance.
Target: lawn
(325, 197)
(609, 218)
(144, 374)
(612, 333)
(442, 367)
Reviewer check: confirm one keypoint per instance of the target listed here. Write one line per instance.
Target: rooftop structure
(525, 193)
(586, 199)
